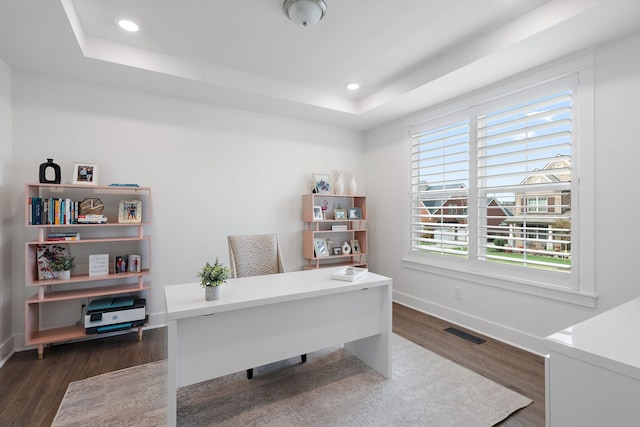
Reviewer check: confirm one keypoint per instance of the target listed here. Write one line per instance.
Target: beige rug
(332, 389)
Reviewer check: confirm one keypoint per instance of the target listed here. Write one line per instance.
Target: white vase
(340, 183)
(353, 185)
(212, 293)
(346, 249)
(64, 275)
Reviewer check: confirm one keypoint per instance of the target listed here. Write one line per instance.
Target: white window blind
(515, 166)
(524, 183)
(440, 189)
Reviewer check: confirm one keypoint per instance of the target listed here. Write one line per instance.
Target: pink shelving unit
(112, 237)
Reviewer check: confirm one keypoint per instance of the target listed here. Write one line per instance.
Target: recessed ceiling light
(127, 25)
(353, 86)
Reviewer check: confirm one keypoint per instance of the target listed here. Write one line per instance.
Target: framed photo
(85, 173)
(355, 213)
(130, 211)
(317, 213)
(355, 246)
(337, 250)
(321, 247)
(339, 214)
(134, 263)
(323, 183)
(121, 264)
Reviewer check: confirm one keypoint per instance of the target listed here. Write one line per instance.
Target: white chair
(255, 255)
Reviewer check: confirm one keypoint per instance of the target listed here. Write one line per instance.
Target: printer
(115, 314)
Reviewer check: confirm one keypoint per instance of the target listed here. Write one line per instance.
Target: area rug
(333, 388)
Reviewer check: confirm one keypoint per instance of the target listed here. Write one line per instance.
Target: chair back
(254, 255)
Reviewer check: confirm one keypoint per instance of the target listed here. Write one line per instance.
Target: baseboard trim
(481, 326)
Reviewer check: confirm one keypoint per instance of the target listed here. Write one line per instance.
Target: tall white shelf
(113, 238)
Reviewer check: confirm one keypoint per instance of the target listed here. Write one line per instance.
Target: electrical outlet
(457, 292)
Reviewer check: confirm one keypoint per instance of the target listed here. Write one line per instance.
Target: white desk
(264, 319)
(593, 371)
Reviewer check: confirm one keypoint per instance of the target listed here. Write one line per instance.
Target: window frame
(577, 287)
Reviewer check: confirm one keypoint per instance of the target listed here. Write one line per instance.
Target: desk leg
(172, 404)
(375, 351)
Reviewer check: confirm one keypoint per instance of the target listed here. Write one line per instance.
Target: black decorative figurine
(43, 172)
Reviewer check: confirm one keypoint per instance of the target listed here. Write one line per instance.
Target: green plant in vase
(63, 264)
(211, 277)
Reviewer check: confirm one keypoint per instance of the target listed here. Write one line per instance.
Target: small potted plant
(62, 264)
(211, 277)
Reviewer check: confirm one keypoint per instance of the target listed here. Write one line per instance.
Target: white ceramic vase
(340, 183)
(346, 249)
(353, 185)
(64, 275)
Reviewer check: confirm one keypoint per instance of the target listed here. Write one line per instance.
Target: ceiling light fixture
(305, 12)
(353, 86)
(127, 25)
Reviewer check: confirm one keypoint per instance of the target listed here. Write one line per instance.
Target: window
(441, 179)
(537, 205)
(493, 188)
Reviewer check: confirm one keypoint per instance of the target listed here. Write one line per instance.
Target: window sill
(538, 289)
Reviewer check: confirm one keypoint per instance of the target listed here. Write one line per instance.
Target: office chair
(255, 255)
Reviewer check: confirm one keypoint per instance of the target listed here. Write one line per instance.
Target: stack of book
(92, 219)
(71, 235)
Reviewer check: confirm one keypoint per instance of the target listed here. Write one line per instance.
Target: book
(350, 274)
(123, 185)
(64, 236)
(92, 219)
(99, 265)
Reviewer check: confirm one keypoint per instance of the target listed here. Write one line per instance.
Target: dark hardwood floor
(509, 366)
(31, 390)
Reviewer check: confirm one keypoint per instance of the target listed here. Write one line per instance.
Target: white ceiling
(406, 54)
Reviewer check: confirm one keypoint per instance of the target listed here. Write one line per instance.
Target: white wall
(213, 171)
(6, 335)
(513, 317)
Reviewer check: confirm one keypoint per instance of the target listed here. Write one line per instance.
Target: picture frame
(317, 213)
(85, 173)
(339, 214)
(99, 265)
(355, 246)
(337, 250)
(121, 264)
(321, 247)
(355, 214)
(135, 263)
(130, 211)
(45, 254)
(323, 183)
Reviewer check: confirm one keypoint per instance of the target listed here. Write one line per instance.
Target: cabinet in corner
(114, 239)
(331, 220)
